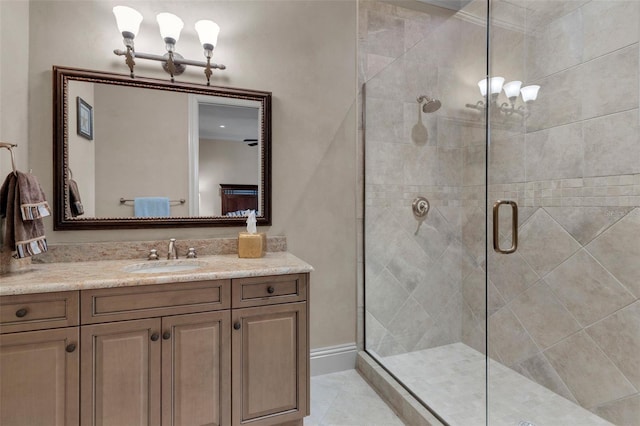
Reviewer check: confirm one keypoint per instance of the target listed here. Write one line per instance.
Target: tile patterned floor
(345, 399)
(451, 379)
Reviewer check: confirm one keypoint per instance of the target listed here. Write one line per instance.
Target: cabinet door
(196, 369)
(120, 372)
(39, 378)
(270, 371)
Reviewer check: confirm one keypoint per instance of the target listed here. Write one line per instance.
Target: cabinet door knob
(21, 313)
(70, 347)
(237, 326)
(270, 289)
(166, 335)
(155, 336)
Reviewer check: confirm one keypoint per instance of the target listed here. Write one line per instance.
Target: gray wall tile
(612, 145)
(609, 25)
(555, 153)
(546, 319)
(587, 290)
(580, 363)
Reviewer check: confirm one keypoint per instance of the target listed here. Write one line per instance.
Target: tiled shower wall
(564, 309)
(414, 275)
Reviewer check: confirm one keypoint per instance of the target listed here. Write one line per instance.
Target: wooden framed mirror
(153, 143)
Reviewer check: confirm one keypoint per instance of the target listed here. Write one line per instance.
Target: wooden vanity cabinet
(165, 370)
(39, 363)
(270, 350)
(222, 352)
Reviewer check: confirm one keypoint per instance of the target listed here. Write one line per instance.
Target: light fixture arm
(160, 58)
(129, 55)
(480, 106)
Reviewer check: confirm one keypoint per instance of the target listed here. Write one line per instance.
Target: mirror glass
(143, 152)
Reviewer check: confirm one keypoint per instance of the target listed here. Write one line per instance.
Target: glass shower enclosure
(501, 207)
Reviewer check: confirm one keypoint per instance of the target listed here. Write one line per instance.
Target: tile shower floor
(345, 399)
(451, 379)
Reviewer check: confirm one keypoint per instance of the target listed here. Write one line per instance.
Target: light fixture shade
(529, 93)
(207, 32)
(482, 84)
(495, 85)
(127, 19)
(512, 88)
(170, 26)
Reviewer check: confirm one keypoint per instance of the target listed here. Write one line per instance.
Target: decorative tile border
(620, 190)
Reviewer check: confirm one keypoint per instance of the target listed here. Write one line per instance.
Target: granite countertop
(44, 278)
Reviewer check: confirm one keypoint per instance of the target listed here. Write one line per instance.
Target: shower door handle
(496, 226)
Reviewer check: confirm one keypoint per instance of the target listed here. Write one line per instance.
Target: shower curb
(403, 403)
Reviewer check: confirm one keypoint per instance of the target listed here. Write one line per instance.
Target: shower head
(430, 105)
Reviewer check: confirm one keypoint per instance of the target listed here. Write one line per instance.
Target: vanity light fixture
(128, 21)
(495, 85)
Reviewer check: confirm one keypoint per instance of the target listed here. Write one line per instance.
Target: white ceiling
(239, 122)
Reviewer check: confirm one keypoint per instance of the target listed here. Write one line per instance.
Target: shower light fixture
(128, 21)
(495, 85)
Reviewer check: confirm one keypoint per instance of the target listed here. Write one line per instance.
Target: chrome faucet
(173, 250)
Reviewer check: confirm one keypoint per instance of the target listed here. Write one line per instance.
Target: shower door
(425, 151)
(563, 310)
(533, 319)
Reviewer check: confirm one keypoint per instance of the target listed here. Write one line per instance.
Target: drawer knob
(155, 336)
(21, 313)
(236, 326)
(70, 347)
(166, 335)
(270, 289)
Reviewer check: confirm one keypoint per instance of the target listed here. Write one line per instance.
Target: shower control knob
(420, 207)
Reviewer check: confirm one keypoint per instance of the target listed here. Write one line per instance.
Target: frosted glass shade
(512, 89)
(529, 93)
(207, 33)
(127, 19)
(482, 84)
(170, 26)
(495, 85)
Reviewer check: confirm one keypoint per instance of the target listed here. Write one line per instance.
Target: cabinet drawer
(124, 303)
(258, 291)
(40, 311)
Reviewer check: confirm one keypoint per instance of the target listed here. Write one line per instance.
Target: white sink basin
(164, 266)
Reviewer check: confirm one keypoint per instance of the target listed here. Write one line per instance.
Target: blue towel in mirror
(151, 206)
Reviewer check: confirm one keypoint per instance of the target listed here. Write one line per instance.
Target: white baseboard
(332, 359)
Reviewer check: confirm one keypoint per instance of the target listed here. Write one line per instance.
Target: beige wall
(229, 162)
(303, 52)
(145, 157)
(14, 38)
(82, 152)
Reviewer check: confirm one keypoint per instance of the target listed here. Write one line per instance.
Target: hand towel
(23, 203)
(74, 199)
(151, 206)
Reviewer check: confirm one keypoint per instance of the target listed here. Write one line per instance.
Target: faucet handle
(192, 253)
(153, 254)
